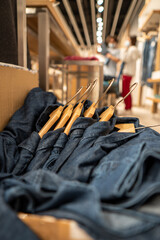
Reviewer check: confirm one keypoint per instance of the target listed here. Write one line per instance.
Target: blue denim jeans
(80, 163)
(11, 226)
(104, 180)
(21, 126)
(65, 145)
(128, 180)
(69, 143)
(73, 140)
(23, 122)
(149, 54)
(45, 193)
(53, 142)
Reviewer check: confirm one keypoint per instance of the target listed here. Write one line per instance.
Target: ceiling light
(99, 2)
(55, 3)
(30, 10)
(99, 48)
(100, 28)
(99, 34)
(99, 39)
(100, 24)
(100, 9)
(99, 19)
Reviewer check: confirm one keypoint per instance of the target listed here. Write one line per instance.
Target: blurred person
(129, 56)
(112, 57)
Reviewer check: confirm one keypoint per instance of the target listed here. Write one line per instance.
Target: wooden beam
(92, 3)
(56, 13)
(73, 21)
(105, 19)
(83, 20)
(127, 18)
(116, 16)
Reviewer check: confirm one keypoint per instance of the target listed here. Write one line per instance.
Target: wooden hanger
(68, 112)
(55, 115)
(108, 113)
(91, 110)
(126, 127)
(129, 127)
(77, 111)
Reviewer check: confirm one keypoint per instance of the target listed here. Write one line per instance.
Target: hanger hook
(134, 85)
(93, 84)
(74, 96)
(110, 84)
(88, 87)
(157, 125)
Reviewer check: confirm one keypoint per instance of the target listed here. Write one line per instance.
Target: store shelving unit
(156, 92)
(152, 22)
(48, 36)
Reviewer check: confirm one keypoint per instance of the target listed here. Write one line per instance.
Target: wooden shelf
(156, 100)
(156, 88)
(152, 22)
(55, 13)
(58, 45)
(150, 80)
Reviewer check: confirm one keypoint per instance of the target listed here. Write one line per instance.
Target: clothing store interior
(80, 119)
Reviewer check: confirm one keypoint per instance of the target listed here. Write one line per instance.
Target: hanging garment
(48, 152)
(129, 179)
(148, 62)
(105, 180)
(22, 126)
(79, 161)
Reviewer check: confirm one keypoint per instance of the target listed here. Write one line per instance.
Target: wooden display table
(156, 89)
(50, 228)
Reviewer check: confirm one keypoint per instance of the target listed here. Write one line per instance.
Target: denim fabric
(16, 156)
(44, 149)
(57, 148)
(45, 193)
(115, 86)
(120, 73)
(11, 226)
(151, 56)
(26, 151)
(145, 61)
(82, 160)
(52, 151)
(131, 224)
(104, 49)
(74, 138)
(124, 179)
(149, 53)
(105, 180)
(23, 122)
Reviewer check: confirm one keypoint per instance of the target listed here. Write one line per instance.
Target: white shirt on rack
(130, 56)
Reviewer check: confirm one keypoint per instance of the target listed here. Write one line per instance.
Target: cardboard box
(15, 84)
